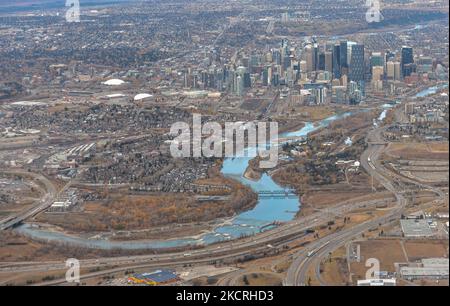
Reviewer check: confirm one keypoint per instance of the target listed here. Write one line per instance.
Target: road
(298, 271)
(43, 204)
(229, 250)
(316, 252)
(289, 232)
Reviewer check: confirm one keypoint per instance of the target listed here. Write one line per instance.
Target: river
(431, 90)
(266, 211)
(424, 93)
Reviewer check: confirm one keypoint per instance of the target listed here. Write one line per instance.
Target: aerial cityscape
(224, 143)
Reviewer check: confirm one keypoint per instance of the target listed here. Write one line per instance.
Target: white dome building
(142, 96)
(114, 82)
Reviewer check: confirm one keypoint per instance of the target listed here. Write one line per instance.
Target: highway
(224, 251)
(42, 205)
(229, 250)
(298, 271)
(303, 261)
(317, 251)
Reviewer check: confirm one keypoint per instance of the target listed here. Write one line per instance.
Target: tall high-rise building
(269, 74)
(425, 64)
(309, 58)
(390, 70)
(397, 71)
(350, 44)
(329, 61)
(393, 71)
(276, 56)
(276, 79)
(316, 57)
(303, 69)
(377, 73)
(407, 59)
(336, 61)
(240, 80)
(329, 46)
(239, 85)
(408, 69)
(285, 45)
(343, 54)
(339, 94)
(247, 80)
(357, 65)
(377, 78)
(321, 65)
(389, 56)
(254, 61)
(344, 80)
(320, 94)
(286, 62)
(265, 76)
(376, 59)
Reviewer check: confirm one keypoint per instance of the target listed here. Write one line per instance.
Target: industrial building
(377, 282)
(429, 268)
(416, 228)
(158, 277)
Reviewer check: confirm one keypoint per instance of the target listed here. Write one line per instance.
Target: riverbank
(318, 169)
(266, 211)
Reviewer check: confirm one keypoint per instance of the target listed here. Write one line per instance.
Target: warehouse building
(416, 228)
(430, 268)
(158, 277)
(377, 282)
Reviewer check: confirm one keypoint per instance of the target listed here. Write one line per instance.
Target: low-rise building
(377, 282)
(416, 228)
(428, 268)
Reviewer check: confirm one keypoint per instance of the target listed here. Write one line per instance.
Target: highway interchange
(319, 250)
(303, 261)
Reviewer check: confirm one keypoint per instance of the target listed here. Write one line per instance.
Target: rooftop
(416, 228)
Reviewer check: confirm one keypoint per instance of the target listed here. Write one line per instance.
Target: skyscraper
(390, 70)
(265, 76)
(336, 61)
(357, 66)
(316, 57)
(343, 54)
(303, 69)
(376, 59)
(407, 59)
(389, 57)
(397, 71)
(276, 55)
(309, 58)
(377, 78)
(329, 61)
(321, 65)
(239, 86)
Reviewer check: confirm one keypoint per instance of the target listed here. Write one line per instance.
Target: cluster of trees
(133, 212)
(320, 169)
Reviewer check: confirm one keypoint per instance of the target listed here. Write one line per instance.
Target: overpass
(42, 205)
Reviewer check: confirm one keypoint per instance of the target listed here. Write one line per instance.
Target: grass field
(389, 252)
(418, 249)
(413, 151)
